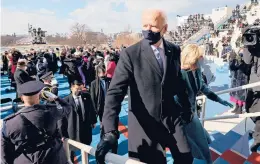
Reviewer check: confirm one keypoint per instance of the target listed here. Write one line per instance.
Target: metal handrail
(110, 157)
(245, 115)
(243, 87)
(203, 97)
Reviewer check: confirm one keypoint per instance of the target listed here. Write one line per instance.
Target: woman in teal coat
(198, 137)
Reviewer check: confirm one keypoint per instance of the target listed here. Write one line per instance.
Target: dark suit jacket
(20, 77)
(31, 68)
(98, 97)
(76, 127)
(54, 62)
(152, 109)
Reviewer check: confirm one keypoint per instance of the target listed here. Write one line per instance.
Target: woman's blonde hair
(190, 54)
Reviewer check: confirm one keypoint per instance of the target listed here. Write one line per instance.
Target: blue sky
(109, 15)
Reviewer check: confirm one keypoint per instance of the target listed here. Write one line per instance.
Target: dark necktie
(78, 106)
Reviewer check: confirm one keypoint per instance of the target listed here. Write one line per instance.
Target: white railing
(86, 150)
(203, 98)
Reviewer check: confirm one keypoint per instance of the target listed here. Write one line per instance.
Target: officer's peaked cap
(30, 88)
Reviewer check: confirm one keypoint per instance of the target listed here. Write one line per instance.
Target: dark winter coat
(253, 95)
(239, 76)
(77, 126)
(21, 76)
(98, 96)
(152, 110)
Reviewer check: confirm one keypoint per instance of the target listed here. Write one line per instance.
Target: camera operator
(251, 41)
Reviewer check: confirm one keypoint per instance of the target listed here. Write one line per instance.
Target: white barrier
(85, 150)
(203, 98)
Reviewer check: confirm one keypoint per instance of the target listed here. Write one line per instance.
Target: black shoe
(254, 147)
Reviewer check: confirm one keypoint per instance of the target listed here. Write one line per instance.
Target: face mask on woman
(200, 62)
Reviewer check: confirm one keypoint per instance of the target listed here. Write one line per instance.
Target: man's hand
(187, 117)
(103, 147)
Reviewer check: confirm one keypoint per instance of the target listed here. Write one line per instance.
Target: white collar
(161, 46)
(75, 97)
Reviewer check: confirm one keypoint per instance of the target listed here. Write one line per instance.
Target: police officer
(31, 135)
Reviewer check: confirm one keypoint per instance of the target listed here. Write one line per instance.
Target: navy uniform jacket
(16, 132)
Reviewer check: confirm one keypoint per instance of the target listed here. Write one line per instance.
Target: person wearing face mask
(21, 76)
(198, 138)
(78, 125)
(150, 70)
(98, 91)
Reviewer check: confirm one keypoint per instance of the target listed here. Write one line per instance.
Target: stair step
(216, 135)
(230, 157)
(254, 158)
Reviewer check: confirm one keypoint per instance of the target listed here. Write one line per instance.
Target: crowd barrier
(88, 150)
(204, 98)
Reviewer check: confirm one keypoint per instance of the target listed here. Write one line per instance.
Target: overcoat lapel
(168, 54)
(148, 53)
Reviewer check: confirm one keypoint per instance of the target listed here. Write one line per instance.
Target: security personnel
(31, 135)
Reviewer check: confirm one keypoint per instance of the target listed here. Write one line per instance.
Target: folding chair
(4, 101)
(15, 104)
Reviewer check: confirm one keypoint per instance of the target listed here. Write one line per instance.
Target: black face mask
(152, 37)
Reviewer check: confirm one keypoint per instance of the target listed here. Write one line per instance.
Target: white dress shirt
(161, 50)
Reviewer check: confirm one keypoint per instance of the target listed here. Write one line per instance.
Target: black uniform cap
(46, 75)
(30, 88)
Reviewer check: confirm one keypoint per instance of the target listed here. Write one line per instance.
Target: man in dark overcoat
(78, 125)
(21, 75)
(151, 69)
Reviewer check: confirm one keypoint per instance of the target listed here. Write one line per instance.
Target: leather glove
(223, 102)
(187, 117)
(105, 144)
